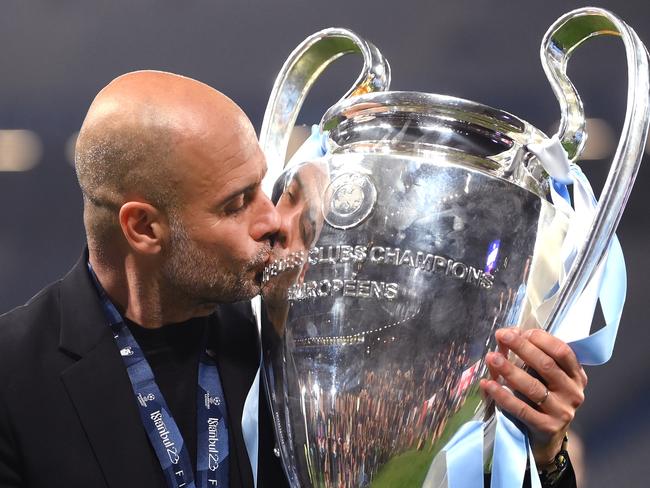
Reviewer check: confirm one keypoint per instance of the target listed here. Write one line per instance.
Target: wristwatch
(550, 474)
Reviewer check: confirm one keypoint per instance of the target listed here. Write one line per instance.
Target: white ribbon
(250, 412)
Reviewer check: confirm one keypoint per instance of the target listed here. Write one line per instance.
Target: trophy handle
(299, 72)
(568, 32)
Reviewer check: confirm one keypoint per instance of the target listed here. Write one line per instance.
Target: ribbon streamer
(464, 454)
(250, 412)
(609, 282)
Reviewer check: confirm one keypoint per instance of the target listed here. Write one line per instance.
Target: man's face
(299, 208)
(301, 220)
(220, 235)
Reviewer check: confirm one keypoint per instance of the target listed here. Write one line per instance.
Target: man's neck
(138, 295)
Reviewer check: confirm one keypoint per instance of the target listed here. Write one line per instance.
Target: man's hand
(553, 398)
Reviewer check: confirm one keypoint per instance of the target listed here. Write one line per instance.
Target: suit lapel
(101, 393)
(99, 387)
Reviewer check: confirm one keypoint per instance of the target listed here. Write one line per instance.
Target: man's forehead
(242, 170)
(221, 175)
(311, 177)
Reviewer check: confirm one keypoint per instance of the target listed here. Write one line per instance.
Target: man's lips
(259, 268)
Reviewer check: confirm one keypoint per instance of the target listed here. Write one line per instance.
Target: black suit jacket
(68, 416)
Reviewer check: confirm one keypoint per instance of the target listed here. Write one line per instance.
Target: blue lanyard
(164, 435)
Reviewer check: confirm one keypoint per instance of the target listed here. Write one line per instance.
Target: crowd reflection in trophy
(392, 411)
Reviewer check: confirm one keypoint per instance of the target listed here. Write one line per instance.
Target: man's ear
(144, 226)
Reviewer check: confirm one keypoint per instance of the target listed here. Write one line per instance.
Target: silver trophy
(426, 226)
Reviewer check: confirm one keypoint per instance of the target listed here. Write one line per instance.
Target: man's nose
(283, 235)
(267, 219)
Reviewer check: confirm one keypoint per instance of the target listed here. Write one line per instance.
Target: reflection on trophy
(302, 221)
(426, 226)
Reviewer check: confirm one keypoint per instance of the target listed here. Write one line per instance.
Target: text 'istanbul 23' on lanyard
(164, 435)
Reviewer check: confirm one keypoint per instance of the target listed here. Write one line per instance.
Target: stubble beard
(194, 276)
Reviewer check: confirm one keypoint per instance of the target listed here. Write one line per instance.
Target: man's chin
(248, 290)
(246, 287)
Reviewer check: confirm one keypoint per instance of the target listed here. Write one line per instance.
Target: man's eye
(235, 205)
(293, 192)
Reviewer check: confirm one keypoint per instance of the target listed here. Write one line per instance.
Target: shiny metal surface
(429, 125)
(426, 227)
(562, 38)
(374, 336)
(301, 69)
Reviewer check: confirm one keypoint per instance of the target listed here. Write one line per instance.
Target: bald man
(122, 374)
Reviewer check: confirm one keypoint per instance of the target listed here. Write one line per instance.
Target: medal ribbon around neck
(164, 435)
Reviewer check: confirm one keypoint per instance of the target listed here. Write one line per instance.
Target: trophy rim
(514, 162)
(431, 103)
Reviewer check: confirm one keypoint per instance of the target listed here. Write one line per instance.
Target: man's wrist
(552, 472)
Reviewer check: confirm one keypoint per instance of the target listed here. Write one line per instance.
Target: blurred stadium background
(56, 54)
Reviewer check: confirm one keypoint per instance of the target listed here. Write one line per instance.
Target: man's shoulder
(26, 329)
(28, 315)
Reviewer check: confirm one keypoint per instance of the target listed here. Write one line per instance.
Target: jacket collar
(83, 322)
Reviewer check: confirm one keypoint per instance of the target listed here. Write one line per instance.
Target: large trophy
(427, 225)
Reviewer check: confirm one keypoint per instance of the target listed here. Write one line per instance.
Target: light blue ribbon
(509, 455)
(534, 477)
(249, 424)
(465, 456)
(512, 452)
(597, 348)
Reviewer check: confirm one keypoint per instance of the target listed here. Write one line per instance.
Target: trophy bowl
(426, 226)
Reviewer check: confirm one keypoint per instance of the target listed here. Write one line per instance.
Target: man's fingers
(494, 374)
(503, 349)
(545, 428)
(560, 352)
(568, 385)
(519, 380)
(547, 397)
(510, 403)
(533, 356)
